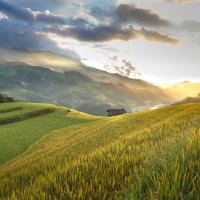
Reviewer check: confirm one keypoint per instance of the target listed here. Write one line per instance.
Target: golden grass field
(146, 155)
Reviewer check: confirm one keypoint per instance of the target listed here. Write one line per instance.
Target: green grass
(13, 109)
(27, 107)
(17, 137)
(147, 155)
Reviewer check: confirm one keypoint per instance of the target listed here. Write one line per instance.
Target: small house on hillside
(115, 112)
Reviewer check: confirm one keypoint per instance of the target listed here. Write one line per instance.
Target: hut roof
(116, 111)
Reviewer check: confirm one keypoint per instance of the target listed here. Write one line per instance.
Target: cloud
(190, 29)
(96, 33)
(104, 33)
(128, 68)
(189, 26)
(124, 68)
(15, 35)
(119, 24)
(181, 1)
(60, 2)
(114, 58)
(26, 14)
(155, 36)
(3, 16)
(130, 13)
(105, 47)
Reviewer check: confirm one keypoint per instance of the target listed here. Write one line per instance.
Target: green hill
(146, 155)
(86, 89)
(22, 124)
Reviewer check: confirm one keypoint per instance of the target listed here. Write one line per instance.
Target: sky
(156, 40)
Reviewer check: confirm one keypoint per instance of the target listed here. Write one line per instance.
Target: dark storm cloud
(104, 33)
(28, 15)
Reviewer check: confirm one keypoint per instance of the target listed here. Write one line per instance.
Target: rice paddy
(23, 127)
(146, 155)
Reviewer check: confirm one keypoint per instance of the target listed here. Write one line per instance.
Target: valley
(85, 89)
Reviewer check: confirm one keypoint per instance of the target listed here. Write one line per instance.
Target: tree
(5, 98)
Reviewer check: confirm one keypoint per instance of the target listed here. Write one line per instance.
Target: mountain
(84, 88)
(184, 89)
(39, 58)
(189, 100)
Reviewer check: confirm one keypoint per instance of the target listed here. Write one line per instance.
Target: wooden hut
(115, 112)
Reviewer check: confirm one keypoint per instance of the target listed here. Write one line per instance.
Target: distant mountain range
(184, 89)
(186, 100)
(80, 87)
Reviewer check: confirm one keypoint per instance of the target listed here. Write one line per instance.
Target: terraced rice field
(146, 155)
(23, 127)
(21, 114)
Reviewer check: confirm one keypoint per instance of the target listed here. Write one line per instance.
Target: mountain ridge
(183, 89)
(187, 100)
(79, 89)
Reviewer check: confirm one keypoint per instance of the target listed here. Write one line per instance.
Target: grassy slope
(17, 137)
(148, 155)
(27, 107)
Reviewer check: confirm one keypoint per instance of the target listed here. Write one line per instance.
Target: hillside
(47, 59)
(147, 155)
(22, 124)
(86, 89)
(189, 100)
(182, 90)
